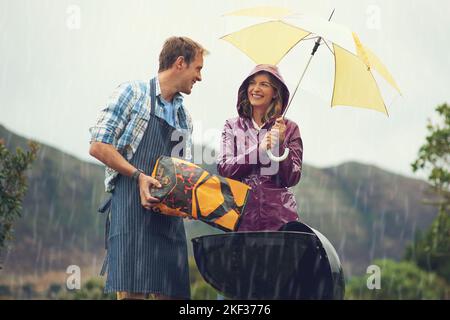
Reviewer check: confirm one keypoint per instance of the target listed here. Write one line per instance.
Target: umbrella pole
(286, 150)
(301, 78)
(316, 46)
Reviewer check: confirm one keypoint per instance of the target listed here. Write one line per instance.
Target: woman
(262, 98)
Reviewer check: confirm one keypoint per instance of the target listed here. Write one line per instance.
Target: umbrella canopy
(354, 82)
(253, 41)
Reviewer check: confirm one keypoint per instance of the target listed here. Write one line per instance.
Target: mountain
(366, 212)
(59, 226)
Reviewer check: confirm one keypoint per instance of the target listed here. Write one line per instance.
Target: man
(147, 252)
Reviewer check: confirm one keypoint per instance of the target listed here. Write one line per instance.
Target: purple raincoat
(271, 203)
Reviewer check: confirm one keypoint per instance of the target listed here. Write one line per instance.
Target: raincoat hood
(273, 70)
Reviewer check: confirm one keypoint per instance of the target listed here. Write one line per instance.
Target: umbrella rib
(288, 51)
(311, 38)
(392, 101)
(334, 82)
(379, 92)
(298, 84)
(328, 47)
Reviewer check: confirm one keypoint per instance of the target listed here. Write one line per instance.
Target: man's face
(191, 74)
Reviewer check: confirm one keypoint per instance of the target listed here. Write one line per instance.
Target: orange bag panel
(190, 191)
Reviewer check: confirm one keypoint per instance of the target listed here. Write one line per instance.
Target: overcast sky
(60, 60)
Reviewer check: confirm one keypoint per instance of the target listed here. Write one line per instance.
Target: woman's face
(260, 91)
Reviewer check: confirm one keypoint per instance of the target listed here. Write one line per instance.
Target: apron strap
(181, 115)
(153, 95)
(105, 207)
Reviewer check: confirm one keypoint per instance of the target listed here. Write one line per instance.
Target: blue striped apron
(146, 251)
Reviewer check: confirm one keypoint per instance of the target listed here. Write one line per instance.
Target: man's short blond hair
(175, 47)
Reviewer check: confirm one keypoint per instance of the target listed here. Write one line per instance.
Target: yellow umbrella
(354, 82)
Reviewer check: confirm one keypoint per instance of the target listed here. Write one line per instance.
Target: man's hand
(108, 154)
(145, 184)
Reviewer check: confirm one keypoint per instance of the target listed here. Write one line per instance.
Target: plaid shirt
(124, 120)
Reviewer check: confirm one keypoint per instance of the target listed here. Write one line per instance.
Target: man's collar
(177, 97)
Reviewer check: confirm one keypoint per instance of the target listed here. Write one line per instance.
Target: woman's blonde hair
(274, 109)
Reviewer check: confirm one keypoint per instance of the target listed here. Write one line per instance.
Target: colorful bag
(191, 192)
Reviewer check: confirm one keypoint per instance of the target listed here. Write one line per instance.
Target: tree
(54, 290)
(431, 251)
(5, 292)
(434, 157)
(13, 186)
(399, 281)
(200, 289)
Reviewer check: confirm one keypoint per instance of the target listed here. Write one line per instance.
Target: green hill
(366, 212)
(59, 226)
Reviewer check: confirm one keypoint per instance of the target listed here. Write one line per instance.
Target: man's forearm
(107, 154)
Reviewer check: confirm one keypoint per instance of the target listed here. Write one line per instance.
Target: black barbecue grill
(299, 263)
